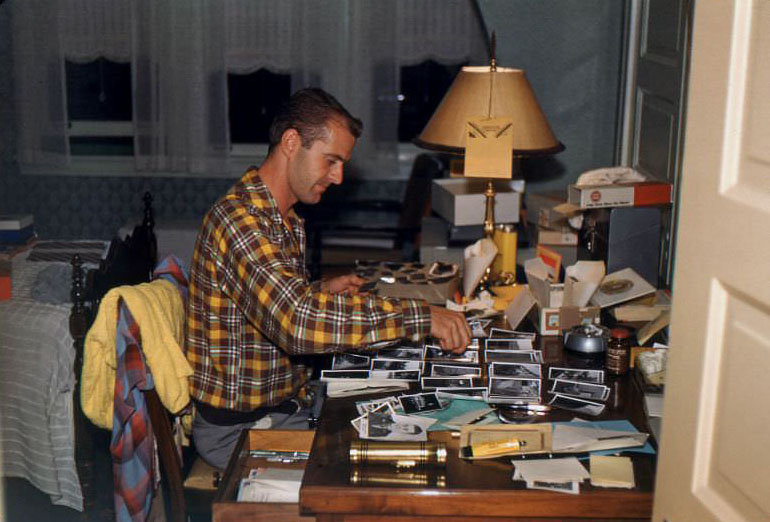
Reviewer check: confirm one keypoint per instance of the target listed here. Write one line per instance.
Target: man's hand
(346, 284)
(450, 328)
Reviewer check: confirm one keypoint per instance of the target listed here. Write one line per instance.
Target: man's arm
(450, 328)
(296, 315)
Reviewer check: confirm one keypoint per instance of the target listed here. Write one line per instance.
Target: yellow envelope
(488, 147)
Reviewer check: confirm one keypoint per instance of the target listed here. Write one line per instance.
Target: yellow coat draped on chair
(158, 309)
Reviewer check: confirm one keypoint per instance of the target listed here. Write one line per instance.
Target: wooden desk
(465, 490)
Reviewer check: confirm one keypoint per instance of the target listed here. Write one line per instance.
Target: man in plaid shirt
(252, 307)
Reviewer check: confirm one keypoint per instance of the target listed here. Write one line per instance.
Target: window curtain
(41, 114)
(181, 53)
(180, 86)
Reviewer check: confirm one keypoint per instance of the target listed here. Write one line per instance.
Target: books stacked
(16, 229)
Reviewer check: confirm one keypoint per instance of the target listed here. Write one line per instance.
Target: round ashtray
(520, 415)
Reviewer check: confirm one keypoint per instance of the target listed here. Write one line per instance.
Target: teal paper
(619, 425)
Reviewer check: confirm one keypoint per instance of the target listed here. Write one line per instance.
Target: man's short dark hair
(308, 111)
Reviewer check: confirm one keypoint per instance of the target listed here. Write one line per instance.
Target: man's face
(313, 170)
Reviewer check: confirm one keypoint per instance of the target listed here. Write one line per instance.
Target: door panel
(658, 97)
(715, 457)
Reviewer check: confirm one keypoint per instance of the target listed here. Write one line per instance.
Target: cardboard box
(639, 194)
(559, 306)
(15, 221)
(462, 201)
(549, 209)
(552, 321)
(564, 235)
(645, 308)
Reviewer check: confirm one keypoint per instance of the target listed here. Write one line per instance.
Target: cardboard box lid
(463, 186)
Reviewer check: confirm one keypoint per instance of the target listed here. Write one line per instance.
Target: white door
(715, 452)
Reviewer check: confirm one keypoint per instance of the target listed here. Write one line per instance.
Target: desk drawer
(227, 509)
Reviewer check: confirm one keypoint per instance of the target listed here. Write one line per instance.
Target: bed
(44, 437)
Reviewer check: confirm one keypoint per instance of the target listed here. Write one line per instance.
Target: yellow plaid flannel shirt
(251, 305)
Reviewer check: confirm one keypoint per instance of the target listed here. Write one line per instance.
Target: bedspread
(36, 410)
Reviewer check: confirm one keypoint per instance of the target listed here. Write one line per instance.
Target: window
(99, 108)
(253, 100)
(139, 95)
(422, 88)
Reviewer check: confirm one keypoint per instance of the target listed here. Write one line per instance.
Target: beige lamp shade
(480, 91)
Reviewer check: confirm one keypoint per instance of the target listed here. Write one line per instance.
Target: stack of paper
(572, 438)
(564, 475)
(271, 485)
(353, 387)
(612, 472)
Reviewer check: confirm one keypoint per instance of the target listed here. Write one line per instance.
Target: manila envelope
(488, 147)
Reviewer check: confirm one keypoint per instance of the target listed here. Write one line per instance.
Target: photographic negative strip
(401, 352)
(396, 364)
(365, 406)
(454, 370)
(514, 356)
(576, 374)
(501, 333)
(433, 352)
(509, 344)
(572, 487)
(350, 361)
(514, 388)
(475, 393)
(420, 403)
(431, 383)
(327, 375)
(397, 375)
(577, 405)
(520, 370)
(582, 390)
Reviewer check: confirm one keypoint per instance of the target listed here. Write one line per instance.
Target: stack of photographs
(578, 390)
(407, 362)
(383, 423)
(514, 367)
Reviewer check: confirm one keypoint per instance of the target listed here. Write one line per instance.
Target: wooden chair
(188, 494)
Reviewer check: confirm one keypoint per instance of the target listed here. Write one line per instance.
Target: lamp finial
(493, 53)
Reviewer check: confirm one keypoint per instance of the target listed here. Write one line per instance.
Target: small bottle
(618, 354)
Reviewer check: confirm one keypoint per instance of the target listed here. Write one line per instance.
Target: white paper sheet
(568, 438)
(551, 470)
(477, 257)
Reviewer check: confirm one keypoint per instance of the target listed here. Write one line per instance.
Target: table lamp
(503, 97)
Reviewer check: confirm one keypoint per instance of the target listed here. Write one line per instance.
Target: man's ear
(290, 142)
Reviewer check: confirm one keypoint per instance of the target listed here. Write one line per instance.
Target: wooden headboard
(129, 261)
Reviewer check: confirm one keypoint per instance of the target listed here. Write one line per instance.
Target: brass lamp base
(489, 217)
